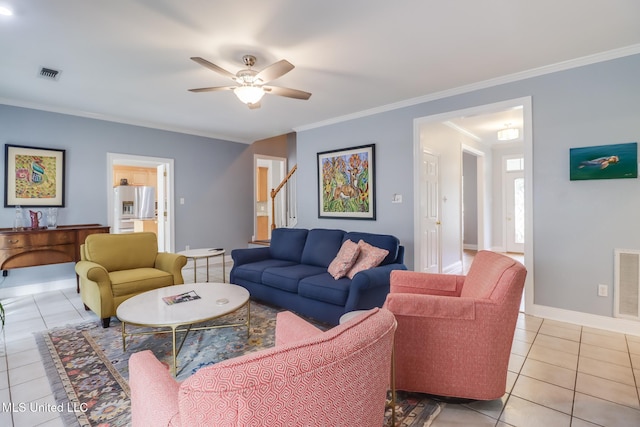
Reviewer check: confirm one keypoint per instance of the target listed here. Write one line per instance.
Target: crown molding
(523, 75)
(108, 118)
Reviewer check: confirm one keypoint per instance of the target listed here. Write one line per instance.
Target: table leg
(207, 269)
(173, 342)
(248, 318)
(124, 345)
(195, 277)
(393, 386)
(224, 274)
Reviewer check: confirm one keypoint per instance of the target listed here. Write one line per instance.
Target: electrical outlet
(603, 290)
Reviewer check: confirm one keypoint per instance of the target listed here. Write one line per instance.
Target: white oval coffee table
(150, 309)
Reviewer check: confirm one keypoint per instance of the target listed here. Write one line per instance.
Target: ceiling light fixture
(5, 11)
(249, 94)
(508, 133)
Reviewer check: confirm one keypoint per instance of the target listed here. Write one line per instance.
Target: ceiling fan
(250, 84)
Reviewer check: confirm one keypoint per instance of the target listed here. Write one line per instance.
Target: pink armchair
(454, 332)
(310, 378)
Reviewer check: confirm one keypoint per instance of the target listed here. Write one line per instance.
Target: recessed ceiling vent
(49, 73)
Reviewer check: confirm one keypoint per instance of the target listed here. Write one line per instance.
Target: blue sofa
(292, 272)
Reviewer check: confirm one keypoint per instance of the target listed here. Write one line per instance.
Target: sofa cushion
(287, 278)
(137, 280)
(342, 263)
(369, 257)
(321, 246)
(253, 271)
(383, 241)
(323, 287)
(287, 243)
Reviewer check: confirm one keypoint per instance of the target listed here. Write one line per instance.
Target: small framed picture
(34, 176)
(604, 162)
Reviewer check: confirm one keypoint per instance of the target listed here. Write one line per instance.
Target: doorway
(269, 172)
(514, 207)
(429, 133)
(162, 172)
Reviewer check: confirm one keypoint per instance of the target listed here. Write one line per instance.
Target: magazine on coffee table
(183, 297)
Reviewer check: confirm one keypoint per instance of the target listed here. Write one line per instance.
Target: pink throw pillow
(347, 256)
(369, 257)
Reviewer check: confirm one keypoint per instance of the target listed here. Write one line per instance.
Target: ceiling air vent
(49, 73)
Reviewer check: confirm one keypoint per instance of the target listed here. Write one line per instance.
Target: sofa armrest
(171, 263)
(154, 391)
(94, 272)
(375, 277)
(370, 287)
(246, 256)
(413, 282)
(291, 328)
(431, 306)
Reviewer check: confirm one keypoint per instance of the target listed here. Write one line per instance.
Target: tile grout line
(633, 374)
(575, 381)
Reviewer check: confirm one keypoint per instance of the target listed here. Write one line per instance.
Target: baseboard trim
(37, 288)
(452, 268)
(613, 324)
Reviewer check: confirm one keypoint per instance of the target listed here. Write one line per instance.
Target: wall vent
(627, 284)
(49, 73)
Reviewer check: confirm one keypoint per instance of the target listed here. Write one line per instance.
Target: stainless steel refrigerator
(132, 202)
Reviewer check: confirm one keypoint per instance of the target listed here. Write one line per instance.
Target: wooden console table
(29, 248)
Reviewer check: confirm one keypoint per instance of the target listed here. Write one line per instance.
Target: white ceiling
(128, 60)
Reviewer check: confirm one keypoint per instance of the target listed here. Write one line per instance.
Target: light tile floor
(560, 374)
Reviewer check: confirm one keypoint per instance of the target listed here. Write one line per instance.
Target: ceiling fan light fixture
(508, 133)
(249, 94)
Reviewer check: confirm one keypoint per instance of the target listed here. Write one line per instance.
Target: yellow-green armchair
(115, 267)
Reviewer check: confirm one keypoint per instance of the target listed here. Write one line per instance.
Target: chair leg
(105, 322)
(86, 307)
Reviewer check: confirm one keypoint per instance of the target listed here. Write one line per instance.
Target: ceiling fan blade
(212, 89)
(213, 67)
(275, 70)
(254, 106)
(285, 91)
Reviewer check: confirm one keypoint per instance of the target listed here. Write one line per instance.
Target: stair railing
(274, 193)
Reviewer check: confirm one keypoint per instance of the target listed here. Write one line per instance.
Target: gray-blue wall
(577, 224)
(215, 178)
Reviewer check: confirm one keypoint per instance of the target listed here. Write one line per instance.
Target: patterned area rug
(88, 370)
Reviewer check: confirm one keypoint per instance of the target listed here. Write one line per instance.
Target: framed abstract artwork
(604, 162)
(34, 176)
(346, 183)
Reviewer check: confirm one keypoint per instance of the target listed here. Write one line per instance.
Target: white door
(162, 190)
(514, 198)
(430, 210)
